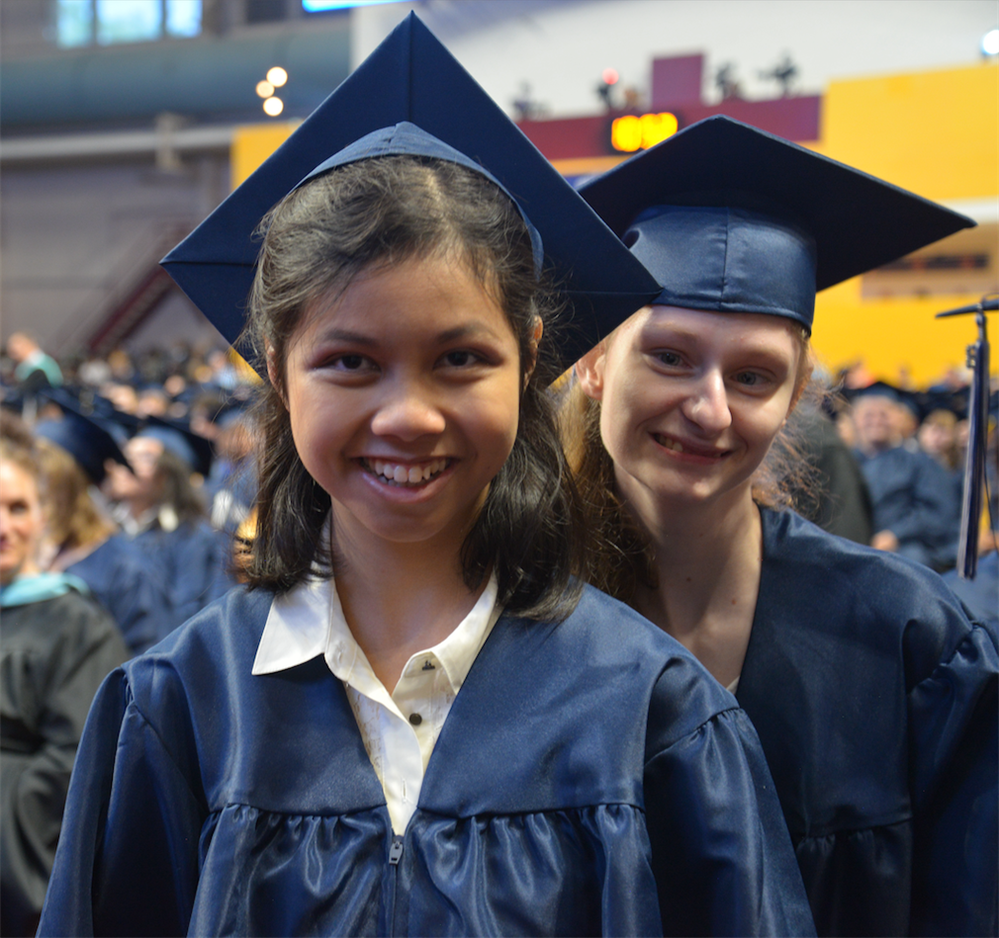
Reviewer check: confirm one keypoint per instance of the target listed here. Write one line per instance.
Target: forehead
(709, 329)
(16, 483)
(874, 404)
(143, 446)
(416, 296)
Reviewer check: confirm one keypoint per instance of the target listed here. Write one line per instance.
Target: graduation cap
(85, 438)
(412, 79)
(729, 218)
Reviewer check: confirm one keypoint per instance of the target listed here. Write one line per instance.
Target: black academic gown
(54, 655)
(875, 700)
(589, 778)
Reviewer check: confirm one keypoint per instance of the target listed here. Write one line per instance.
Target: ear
(539, 328)
(273, 373)
(590, 371)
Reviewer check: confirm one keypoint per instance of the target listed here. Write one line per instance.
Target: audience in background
(58, 645)
(916, 511)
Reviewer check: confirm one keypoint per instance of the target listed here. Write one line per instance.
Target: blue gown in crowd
(125, 583)
(914, 498)
(590, 778)
(193, 560)
(874, 697)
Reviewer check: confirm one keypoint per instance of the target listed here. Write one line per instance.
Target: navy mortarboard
(732, 219)
(85, 438)
(411, 96)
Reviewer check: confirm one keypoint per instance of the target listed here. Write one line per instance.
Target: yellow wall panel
(252, 144)
(937, 134)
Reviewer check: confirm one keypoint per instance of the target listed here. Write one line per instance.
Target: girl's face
(691, 400)
(404, 396)
(21, 522)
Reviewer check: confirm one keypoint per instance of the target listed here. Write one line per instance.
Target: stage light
(273, 106)
(265, 89)
(610, 76)
(990, 42)
(277, 76)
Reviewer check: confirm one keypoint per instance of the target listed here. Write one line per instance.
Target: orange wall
(936, 133)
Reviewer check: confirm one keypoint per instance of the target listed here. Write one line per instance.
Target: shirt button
(415, 719)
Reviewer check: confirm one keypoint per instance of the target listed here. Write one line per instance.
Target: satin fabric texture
(591, 778)
(874, 696)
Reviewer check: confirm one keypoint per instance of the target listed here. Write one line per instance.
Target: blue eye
(669, 358)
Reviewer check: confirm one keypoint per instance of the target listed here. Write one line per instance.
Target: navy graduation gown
(875, 700)
(129, 586)
(589, 779)
(192, 560)
(913, 497)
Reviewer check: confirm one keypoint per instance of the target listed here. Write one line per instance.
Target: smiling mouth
(667, 442)
(392, 473)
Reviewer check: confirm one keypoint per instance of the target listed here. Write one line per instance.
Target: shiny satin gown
(875, 699)
(591, 778)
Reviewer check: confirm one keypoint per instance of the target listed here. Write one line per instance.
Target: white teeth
(670, 444)
(401, 475)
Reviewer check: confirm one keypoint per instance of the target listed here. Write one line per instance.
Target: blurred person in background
(937, 436)
(82, 538)
(832, 493)
(33, 371)
(165, 515)
(58, 645)
(916, 509)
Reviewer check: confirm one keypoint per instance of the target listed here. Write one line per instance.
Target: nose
(407, 412)
(707, 404)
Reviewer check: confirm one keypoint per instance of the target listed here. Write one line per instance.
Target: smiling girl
(415, 721)
(873, 694)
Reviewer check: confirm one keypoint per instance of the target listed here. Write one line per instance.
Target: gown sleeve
(954, 762)
(721, 853)
(128, 859)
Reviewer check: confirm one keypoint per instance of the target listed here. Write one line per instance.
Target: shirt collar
(308, 621)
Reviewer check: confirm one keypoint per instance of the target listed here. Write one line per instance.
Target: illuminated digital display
(630, 132)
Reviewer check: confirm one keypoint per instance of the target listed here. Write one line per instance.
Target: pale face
(21, 522)
(692, 400)
(404, 399)
(876, 421)
(139, 482)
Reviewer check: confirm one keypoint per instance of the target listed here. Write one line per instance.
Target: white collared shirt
(399, 729)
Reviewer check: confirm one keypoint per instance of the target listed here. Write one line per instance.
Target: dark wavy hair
(621, 556)
(316, 241)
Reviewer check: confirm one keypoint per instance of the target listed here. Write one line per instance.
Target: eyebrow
(468, 330)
